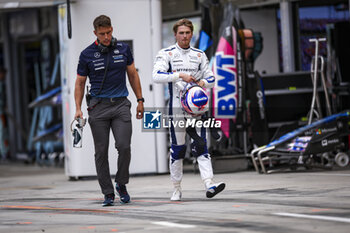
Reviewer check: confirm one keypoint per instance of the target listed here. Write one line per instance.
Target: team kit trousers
(112, 115)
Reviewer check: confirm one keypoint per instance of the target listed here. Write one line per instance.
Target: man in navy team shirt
(108, 106)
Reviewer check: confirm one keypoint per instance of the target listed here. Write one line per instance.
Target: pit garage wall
(136, 20)
(264, 21)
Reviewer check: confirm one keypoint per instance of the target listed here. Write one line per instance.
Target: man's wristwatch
(141, 99)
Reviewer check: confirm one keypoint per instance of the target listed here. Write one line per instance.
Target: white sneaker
(176, 195)
(215, 189)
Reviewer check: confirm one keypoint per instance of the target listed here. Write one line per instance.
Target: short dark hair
(183, 22)
(102, 21)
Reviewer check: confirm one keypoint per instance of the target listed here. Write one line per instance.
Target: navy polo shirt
(92, 63)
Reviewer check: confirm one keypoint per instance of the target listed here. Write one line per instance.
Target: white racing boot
(176, 194)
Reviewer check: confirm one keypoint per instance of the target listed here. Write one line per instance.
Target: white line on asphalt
(172, 224)
(329, 174)
(329, 218)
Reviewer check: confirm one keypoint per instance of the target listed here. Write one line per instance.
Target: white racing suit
(168, 64)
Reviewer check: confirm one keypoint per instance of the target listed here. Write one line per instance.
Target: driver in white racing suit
(177, 65)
